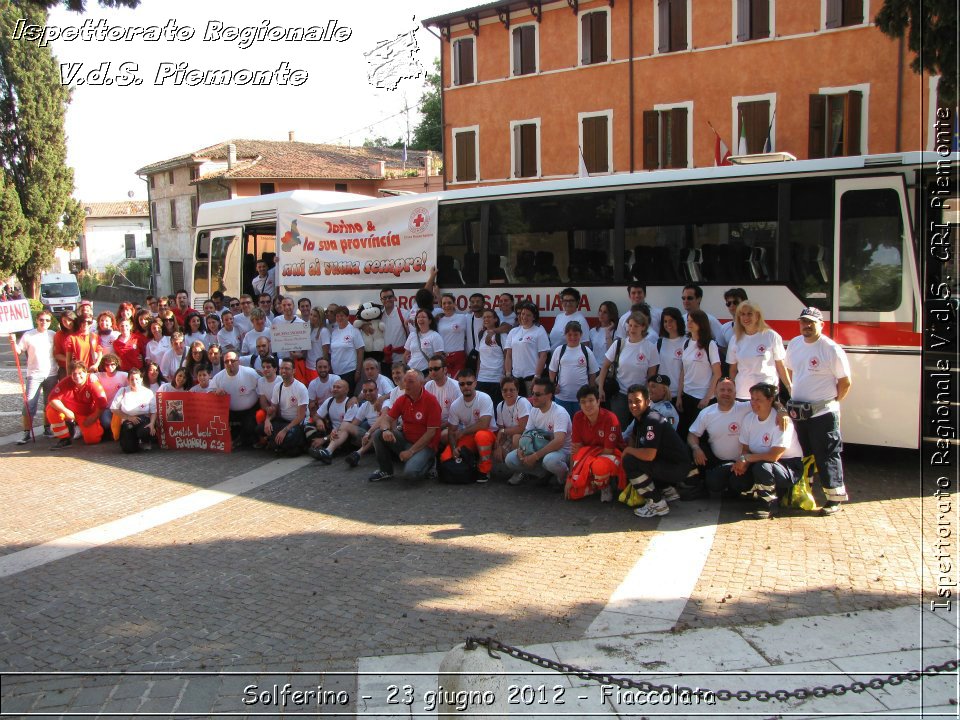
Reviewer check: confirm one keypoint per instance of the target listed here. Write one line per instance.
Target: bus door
(875, 310)
(217, 266)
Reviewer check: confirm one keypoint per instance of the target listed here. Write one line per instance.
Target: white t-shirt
(318, 338)
(510, 415)
(112, 384)
(445, 394)
(106, 341)
(816, 367)
(394, 332)
(130, 402)
(190, 338)
(698, 368)
(334, 411)
(384, 385)
(599, 341)
(344, 343)
(242, 387)
(319, 390)
(463, 415)
(727, 335)
(636, 359)
(723, 428)
(39, 348)
(394, 394)
(655, 315)
(761, 436)
(412, 315)
(558, 335)
(671, 359)
(365, 411)
(422, 347)
(453, 329)
(265, 284)
(716, 329)
(475, 331)
(200, 389)
(265, 387)
(156, 349)
(249, 345)
(242, 323)
(491, 359)
(510, 319)
(573, 367)
(525, 345)
(554, 420)
(229, 337)
(290, 399)
(755, 356)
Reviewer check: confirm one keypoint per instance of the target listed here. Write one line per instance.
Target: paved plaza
(202, 575)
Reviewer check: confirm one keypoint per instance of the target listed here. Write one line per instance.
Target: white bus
(839, 234)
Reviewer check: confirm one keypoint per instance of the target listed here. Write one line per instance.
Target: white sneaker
(670, 494)
(514, 479)
(652, 509)
(606, 494)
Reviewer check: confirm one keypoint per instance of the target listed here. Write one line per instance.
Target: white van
(59, 292)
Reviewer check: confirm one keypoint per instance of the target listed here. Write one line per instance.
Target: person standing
(820, 377)
(394, 331)
(41, 374)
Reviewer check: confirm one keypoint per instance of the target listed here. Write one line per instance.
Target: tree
(930, 27)
(15, 245)
(33, 147)
(81, 5)
(428, 134)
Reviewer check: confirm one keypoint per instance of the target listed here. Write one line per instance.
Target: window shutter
(852, 12)
(651, 139)
(834, 13)
(595, 144)
(528, 49)
(678, 25)
(466, 62)
(517, 52)
(585, 40)
(466, 156)
(663, 16)
(816, 145)
(743, 20)
(528, 150)
(851, 123)
(457, 70)
(598, 36)
(755, 117)
(759, 19)
(678, 137)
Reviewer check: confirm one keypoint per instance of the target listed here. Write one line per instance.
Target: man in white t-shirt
(41, 375)
(638, 294)
(264, 282)
(691, 297)
(288, 408)
(241, 320)
(394, 330)
(321, 387)
(443, 389)
(240, 383)
(820, 379)
(259, 329)
(722, 423)
(471, 424)
(553, 422)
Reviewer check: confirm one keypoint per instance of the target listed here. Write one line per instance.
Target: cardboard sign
(15, 316)
(194, 421)
(286, 336)
(379, 245)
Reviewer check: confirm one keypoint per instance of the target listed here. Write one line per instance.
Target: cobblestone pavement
(317, 568)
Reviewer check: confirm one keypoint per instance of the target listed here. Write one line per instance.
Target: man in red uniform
(76, 402)
(417, 444)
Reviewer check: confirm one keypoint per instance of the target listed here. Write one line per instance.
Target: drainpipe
(630, 80)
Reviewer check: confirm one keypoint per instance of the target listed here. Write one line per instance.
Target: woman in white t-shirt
(229, 334)
(512, 414)
(527, 348)
(319, 337)
(673, 335)
(490, 363)
(135, 406)
(701, 370)
(452, 327)
(771, 460)
(601, 337)
(158, 344)
(423, 342)
(756, 352)
(636, 360)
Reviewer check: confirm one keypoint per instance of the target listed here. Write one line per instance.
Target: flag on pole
(721, 153)
(768, 144)
(742, 147)
(404, 151)
(582, 170)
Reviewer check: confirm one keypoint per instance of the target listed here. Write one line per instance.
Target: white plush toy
(369, 314)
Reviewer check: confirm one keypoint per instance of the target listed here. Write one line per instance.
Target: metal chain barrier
(876, 683)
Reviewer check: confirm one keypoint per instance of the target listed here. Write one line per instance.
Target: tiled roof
(125, 208)
(284, 159)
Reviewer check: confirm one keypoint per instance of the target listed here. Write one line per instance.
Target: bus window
(201, 268)
(871, 250)
(458, 246)
(655, 234)
(225, 262)
(807, 252)
(555, 240)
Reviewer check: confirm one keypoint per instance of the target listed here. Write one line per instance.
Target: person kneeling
(597, 442)
(471, 425)
(416, 445)
(136, 408)
(548, 424)
(288, 407)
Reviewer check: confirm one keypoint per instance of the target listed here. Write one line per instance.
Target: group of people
(653, 403)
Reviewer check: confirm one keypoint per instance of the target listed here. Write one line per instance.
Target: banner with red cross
(194, 421)
(386, 243)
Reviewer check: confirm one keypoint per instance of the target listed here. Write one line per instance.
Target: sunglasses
(688, 297)
(730, 303)
(435, 369)
(539, 394)
(466, 384)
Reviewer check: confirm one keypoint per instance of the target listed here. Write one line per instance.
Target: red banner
(194, 421)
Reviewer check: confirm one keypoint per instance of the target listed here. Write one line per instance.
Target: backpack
(459, 471)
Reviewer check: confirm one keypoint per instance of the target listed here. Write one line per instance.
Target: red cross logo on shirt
(651, 435)
(418, 415)
(699, 354)
(641, 357)
(550, 427)
(734, 428)
(243, 389)
(678, 354)
(761, 349)
(814, 363)
(766, 438)
(600, 433)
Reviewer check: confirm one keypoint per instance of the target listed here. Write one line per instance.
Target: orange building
(535, 89)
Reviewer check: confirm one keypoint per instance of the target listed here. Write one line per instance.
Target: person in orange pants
(471, 424)
(76, 401)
